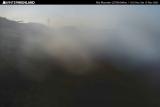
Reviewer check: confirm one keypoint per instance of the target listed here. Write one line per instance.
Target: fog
(110, 59)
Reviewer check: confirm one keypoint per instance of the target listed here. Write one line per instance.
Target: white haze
(133, 38)
(118, 35)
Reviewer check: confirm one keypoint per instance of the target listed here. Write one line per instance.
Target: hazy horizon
(134, 28)
(98, 16)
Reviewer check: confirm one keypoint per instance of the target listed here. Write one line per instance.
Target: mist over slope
(73, 67)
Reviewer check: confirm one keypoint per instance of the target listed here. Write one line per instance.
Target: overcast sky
(79, 15)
